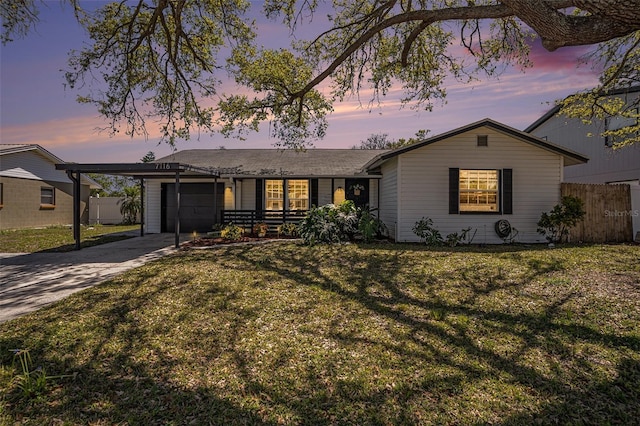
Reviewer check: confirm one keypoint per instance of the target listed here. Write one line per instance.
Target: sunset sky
(36, 108)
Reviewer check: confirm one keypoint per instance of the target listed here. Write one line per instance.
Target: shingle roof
(277, 163)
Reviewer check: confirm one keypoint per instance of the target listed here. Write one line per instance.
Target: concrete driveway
(33, 280)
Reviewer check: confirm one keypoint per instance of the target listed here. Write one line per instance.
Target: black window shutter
(507, 191)
(454, 187)
(259, 186)
(314, 192)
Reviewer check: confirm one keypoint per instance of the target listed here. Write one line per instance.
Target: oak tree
(165, 59)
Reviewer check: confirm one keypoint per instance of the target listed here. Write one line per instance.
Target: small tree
(130, 204)
(555, 225)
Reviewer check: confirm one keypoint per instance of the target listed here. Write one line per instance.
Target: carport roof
(157, 170)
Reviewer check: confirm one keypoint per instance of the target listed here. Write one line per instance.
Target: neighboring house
(469, 177)
(32, 192)
(606, 165)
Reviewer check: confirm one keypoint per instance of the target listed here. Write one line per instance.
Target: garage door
(197, 206)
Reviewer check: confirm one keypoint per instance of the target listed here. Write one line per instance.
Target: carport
(138, 171)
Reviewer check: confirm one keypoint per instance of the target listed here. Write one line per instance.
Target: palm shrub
(555, 225)
(130, 205)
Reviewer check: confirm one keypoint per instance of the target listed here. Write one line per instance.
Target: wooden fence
(609, 214)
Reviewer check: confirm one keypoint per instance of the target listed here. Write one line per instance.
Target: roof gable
(40, 152)
(571, 157)
(553, 111)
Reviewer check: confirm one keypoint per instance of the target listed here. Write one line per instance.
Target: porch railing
(248, 218)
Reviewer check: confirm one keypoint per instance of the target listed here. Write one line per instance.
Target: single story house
(33, 193)
(472, 176)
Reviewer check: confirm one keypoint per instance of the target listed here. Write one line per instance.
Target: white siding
(248, 199)
(373, 193)
(31, 165)
(605, 164)
(324, 192)
(152, 207)
(423, 176)
(388, 196)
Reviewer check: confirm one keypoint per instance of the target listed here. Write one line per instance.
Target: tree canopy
(165, 59)
(383, 141)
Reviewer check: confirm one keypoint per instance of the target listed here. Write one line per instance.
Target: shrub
(260, 228)
(232, 232)
(427, 233)
(463, 237)
(288, 229)
(555, 225)
(329, 223)
(369, 226)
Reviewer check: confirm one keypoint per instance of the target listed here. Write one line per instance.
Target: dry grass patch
(370, 334)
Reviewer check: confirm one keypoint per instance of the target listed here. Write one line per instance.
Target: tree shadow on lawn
(573, 388)
(125, 376)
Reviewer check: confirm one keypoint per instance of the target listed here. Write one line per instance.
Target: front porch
(273, 218)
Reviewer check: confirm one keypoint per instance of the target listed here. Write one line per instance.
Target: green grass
(355, 334)
(59, 238)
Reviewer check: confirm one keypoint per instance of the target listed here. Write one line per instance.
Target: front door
(357, 191)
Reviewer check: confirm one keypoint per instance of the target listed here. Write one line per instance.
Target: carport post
(75, 178)
(177, 217)
(141, 207)
(215, 199)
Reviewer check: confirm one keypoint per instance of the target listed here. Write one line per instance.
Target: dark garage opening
(199, 209)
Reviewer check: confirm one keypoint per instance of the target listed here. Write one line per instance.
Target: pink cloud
(564, 59)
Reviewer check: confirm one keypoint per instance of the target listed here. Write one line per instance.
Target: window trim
(608, 140)
(498, 209)
(289, 198)
(52, 204)
(267, 190)
(504, 195)
(286, 196)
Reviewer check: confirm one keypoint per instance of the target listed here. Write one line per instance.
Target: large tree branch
(557, 29)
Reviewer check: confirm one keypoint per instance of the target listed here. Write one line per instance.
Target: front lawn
(59, 238)
(353, 334)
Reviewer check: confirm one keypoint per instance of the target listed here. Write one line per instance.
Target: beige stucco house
(32, 192)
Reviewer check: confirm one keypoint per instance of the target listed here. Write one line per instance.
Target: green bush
(555, 225)
(427, 233)
(329, 223)
(369, 226)
(288, 229)
(232, 232)
(339, 223)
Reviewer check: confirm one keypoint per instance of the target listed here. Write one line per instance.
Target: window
(617, 123)
(478, 190)
(297, 194)
(274, 196)
(482, 140)
(47, 196)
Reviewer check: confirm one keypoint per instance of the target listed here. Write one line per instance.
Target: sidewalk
(29, 281)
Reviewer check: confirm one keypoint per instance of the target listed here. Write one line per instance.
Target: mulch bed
(211, 241)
